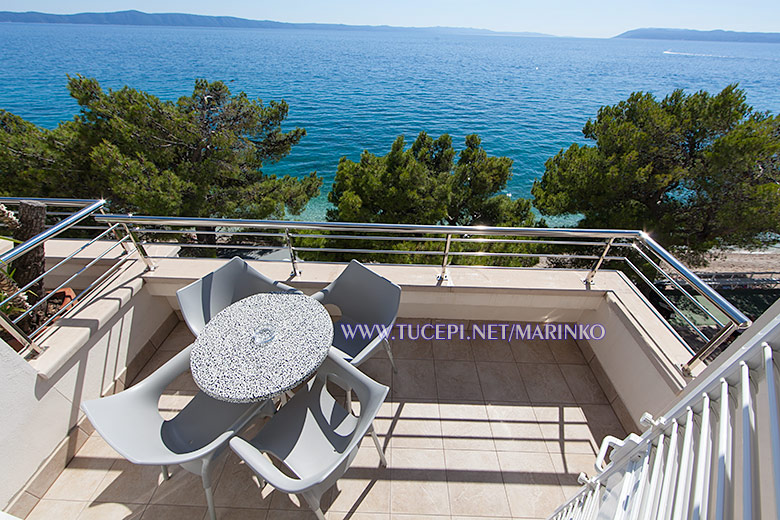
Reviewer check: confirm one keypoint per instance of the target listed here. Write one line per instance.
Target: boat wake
(699, 55)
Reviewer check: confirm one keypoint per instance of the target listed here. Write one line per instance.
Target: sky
(583, 18)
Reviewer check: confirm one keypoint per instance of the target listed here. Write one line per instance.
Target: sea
(526, 97)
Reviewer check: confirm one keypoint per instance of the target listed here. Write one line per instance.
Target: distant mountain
(711, 36)
(194, 20)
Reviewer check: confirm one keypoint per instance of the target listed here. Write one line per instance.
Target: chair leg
(314, 504)
(165, 474)
(378, 446)
(205, 475)
(390, 355)
(210, 502)
(349, 400)
(209, 492)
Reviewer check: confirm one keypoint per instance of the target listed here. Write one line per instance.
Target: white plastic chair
(236, 280)
(313, 436)
(130, 422)
(364, 298)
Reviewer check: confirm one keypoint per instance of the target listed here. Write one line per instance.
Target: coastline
(741, 261)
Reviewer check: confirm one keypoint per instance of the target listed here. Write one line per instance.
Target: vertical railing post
(774, 420)
(127, 248)
(445, 259)
(287, 236)
(140, 249)
(136, 245)
(713, 343)
(748, 423)
(19, 335)
(589, 279)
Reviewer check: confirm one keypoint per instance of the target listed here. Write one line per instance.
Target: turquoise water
(526, 97)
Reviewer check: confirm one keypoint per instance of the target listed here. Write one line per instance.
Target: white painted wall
(41, 399)
(639, 366)
(33, 424)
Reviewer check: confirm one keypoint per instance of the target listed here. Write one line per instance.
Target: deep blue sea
(353, 91)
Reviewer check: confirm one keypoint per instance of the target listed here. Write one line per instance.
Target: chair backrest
(363, 295)
(235, 280)
(370, 394)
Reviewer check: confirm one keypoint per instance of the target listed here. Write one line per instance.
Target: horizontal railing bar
(525, 241)
(73, 277)
(85, 228)
(383, 251)
(182, 232)
(74, 253)
(51, 232)
(530, 255)
(669, 303)
(655, 310)
(701, 287)
(678, 286)
(363, 227)
(379, 238)
(442, 239)
(79, 203)
(441, 253)
(368, 251)
(213, 246)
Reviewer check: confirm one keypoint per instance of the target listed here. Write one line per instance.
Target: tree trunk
(32, 221)
(209, 239)
(9, 287)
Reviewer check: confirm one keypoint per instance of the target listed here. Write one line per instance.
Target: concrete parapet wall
(89, 353)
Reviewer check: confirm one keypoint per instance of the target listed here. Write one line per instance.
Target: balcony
(492, 428)
(471, 428)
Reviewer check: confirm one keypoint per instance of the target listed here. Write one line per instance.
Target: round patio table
(261, 346)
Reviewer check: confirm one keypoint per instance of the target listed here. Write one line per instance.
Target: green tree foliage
(698, 171)
(428, 183)
(200, 156)
(424, 184)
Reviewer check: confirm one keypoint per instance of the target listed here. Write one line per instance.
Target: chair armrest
(368, 350)
(201, 453)
(158, 380)
(265, 468)
(283, 287)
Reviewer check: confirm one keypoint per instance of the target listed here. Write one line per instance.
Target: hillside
(193, 20)
(690, 34)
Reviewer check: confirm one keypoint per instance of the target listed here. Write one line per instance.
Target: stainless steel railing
(115, 235)
(439, 241)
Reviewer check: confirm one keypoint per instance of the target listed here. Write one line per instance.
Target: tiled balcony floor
(488, 429)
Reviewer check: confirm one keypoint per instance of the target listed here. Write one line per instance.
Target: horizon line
(483, 31)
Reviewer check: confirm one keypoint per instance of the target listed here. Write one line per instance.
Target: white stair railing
(714, 454)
